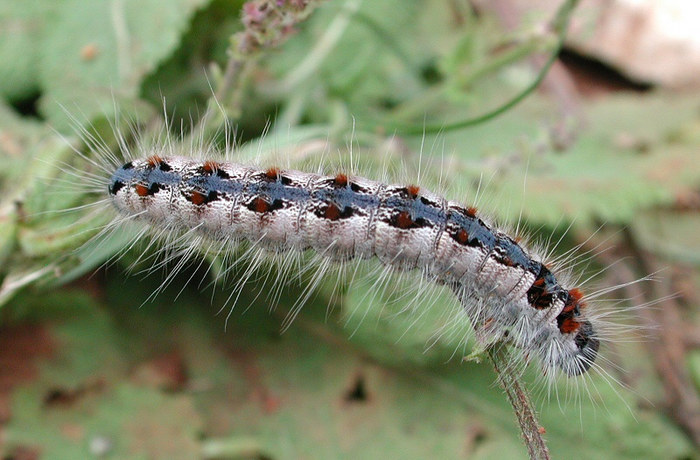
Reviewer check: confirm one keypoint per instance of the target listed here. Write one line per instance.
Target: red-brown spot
(272, 173)
(332, 212)
(141, 190)
(403, 220)
(462, 236)
(471, 211)
(507, 261)
(259, 205)
(574, 301)
(198, 198)
(576, 294)
(341, 180)
(209, 167)
(569, 325)
(413, 191)
(154, 161)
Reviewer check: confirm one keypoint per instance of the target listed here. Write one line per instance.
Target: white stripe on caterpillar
(503, 288)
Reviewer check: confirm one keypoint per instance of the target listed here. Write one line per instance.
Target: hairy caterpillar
(507, 293)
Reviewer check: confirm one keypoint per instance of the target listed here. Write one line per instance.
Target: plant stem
(267, 24)
(518, 397)
(559, 25)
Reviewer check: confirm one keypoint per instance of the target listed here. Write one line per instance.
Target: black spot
(212, 196)
(154, 188)
(427, 202)
(463, 237)
(199, 198)
(277, 204)
(261, 205)
(541, 293)
(128, 165)
(588, 345)
(403, 220)
(163, 166)
(357, 188)
(285, 180)
(115, 186)
(220, 173)
(333, 212)
(347, 211)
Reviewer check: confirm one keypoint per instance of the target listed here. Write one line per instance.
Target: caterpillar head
(585, 341)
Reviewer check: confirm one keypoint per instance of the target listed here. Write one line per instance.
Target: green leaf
(625, 159)
(96, 53)
(22, 26)
(307, 392)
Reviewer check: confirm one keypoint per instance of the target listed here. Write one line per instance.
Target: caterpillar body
(505, 291)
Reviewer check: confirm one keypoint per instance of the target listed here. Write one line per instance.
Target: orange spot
(569, 325)
(576, 294)
(341, 180)
(141, 190)
(538, 282)
(272, 173)
(518, 239)
(154, 161)
(413, 191)
(403, 220)
(198, 198)
(89, 52)
(210, 167)
(260, 205)
(332, 212)
(541, 430)
(462, 236)
(471, 211)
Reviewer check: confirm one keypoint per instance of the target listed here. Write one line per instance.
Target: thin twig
(520, 401)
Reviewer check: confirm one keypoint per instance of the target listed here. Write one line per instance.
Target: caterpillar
(506, 292)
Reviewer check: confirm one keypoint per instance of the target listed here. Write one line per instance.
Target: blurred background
(577, 121)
